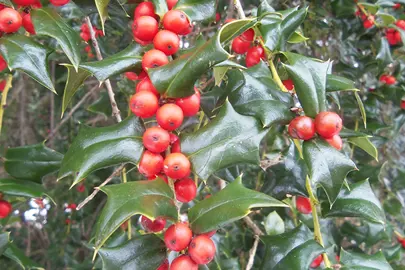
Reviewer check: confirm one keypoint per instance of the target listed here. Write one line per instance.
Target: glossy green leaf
(96, 148)
(327, 166)
(177, 78)
(198, 10)
(385, 18)
(4, 241)
(230, 204)
(32, 162)
(143, 252)
(277, 30)
(348, 133)
(15, 187)
(358, 261)
(259, 96)
(294, 249)
(338, 83)
(361, 108)
(150, 198)
(365, 144)
(297, 37)
(219, 74)
(6, 3)
(74, 81)
(371, 8)
(359, 201)
(309, 76)
(102, 8)
(127, 59)
(24, 54)
(49, 23)
(264, 7)
(17, 255)
(384, 52)
(229, 139)
(393, 253)
(273, 224)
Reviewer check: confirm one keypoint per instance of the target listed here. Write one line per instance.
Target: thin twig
(69, 115)
(253, 226)
(239, 9)
(97, 189)
(252, 253)
(115, 111)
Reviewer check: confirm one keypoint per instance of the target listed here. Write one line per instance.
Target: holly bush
(204, 134)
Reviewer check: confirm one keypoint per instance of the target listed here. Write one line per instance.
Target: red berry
(25, 2)
(87, 49)
(254, 55)
(317, 262)
(151, 164)
(156, 139)
(145, 28)
(403, 104)
(369, 22)
(161, 176)
(27, 24)
(289, 84)
(146, 85)
(328, 124)
(167, 42)
(229, 20)
(177, 166)
(302, 127)
(131, 76)
(2, 85)
(72, 206)
(176, 21)
(59, 2)
(3, 63)
(336, 142)
(400, 24)
(5, 208)
(178, 236)
(81, 188)
(85, 36)
(183, 262)
(141, 42)
(248, 35)
(303, 205)
(173, 138)
(171, 3)
(153, 59)
(144, 104)
(169, 116)
(202, 249)
(10, 20)
(187, 31)
(217, 17)
(185, 190)
(390, 80)
(175, 142)
(153, 226)
(144, 9)
(397, 36)
(190, 105)
(239, 46)
(397, 6)
(164, 265)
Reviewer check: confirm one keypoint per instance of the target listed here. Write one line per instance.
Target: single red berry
(145, 28)
(173, 138)
(59, 2)
(5, 209)
(72, 206)
(161, 176)
(400, 24)
(27, 24)
(2, 85)
(10, 20)
(211, 233)
(254, 55)
(397, 6)
(124, 226)
(164, 265)
(202, 249)
(171, 3)
(289, 84)
(302, 127)
(153, 226)
(178, 236)
(85, 28)
(185, 190)
(153, 59)
(3, 63)
(2, 7)
(169, 116)
(402, 104)
(336, 142)
(131, 76)
(183, 262)
(177, 166)
(391, 35)
(144, 104)
(25, 2)
(303, 205)
(85, 36)
(176, 21)
(190, 105)
(317, 262)
(328, 124)
(81, 188)
(151, 164)
(239, 46)
(146, 85)
(217, 17)
(167, 42)
(156, 139)
(187, 31)
(248, 35)
(144, 9)
(369, 22)
(390, 80)
(337, 257)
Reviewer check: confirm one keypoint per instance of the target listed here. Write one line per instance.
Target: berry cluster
(368, 20)
(86, 36)
(393, 36)
(243, 44)
(326, 124)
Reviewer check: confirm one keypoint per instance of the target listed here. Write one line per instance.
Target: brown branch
(69, 115)
(249, 222)
(239, 9)
(97, 189)
(115, 111)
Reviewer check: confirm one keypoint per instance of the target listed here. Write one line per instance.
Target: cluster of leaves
(241, 129)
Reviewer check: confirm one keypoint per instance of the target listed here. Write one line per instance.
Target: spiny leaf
(198, 10)
(15, 187)
(365, 144)
(363, 261)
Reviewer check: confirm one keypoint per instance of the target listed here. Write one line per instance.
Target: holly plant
(209, 134)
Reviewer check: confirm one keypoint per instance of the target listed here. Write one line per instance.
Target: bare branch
(239, 9)
(249, 222)
(252, 253)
